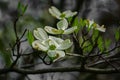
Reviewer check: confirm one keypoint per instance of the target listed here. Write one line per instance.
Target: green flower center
(62, 15)
(52, 47)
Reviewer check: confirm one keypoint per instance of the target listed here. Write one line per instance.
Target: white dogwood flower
(53, 46)
(62, 28)
(60, 15)
(92, 24)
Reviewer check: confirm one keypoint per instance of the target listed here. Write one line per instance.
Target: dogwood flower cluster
(53, 46)
(62, 25)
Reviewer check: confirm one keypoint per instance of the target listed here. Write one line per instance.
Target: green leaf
(19, 5)
(100, 44)
(95, 34)
(7, 58)
(88, 49)
(21, 8)
(107, 43)
(75, 22)
(81, 40)
(117, 35)
(69, 19)
(87, 43)
(30, 37)
(82, 23)
(24, 9)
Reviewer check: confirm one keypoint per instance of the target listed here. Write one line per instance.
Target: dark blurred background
(106, 12)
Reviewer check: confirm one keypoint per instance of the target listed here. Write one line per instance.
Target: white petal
(70, 30)
(65, 45)
(69, 13)
(90, 23)
(51, 53)
(55, 41)
(61, 53)
(53, 30)
(40, 46)
(62, 25)
(55, 54)
(40, 34)
(55, 12)
(101, 28)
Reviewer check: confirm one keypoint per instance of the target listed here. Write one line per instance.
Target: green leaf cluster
(21, 8)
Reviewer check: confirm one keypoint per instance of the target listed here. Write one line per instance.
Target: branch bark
(60, 69)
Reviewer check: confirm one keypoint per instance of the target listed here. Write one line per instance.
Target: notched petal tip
(56, 55)
(54, 12)
(65, 45)
(100, 28)
(38, 45)
(52, 30)
(40, 34)
(69, 13)
(70, 30)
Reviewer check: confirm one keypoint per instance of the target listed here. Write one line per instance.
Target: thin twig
(75, 55)
(109, 63)
(14, 63)
(43, 60)
(113, 49)
(103, 61)
(23, 34)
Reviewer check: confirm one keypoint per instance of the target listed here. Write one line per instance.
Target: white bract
(92, 24)
(53, 46)
(62, 26)
(60, 15)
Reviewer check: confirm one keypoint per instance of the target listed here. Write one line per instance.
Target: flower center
(62, 15)
(52, 47)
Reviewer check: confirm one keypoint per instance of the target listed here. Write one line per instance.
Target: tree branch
(61, 69)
